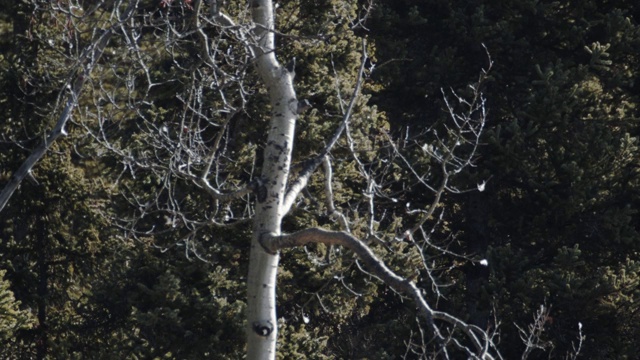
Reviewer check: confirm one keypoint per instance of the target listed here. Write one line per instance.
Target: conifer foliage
(558, 217)
(437, 179)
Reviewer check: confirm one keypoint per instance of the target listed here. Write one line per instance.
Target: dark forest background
(557, 221)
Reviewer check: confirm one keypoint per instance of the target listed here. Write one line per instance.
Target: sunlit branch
(328, 190)
(275, 242)
(312, 164)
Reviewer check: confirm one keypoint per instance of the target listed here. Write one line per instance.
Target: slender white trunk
(263, 266)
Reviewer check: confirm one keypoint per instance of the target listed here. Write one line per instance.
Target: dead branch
(74, 85)
(481, 341)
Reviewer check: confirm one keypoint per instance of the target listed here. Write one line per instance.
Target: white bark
(263, 266)
(274, 201)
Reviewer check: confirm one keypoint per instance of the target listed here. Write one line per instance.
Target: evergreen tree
(126, 244)
(155, 114)
(557, 218)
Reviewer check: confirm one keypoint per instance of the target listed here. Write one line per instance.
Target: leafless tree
(532, 336)
(216, 59)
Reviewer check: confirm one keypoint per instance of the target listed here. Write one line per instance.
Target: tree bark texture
(263, 266)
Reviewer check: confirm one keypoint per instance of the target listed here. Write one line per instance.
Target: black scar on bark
(291, 67)
(263, 327)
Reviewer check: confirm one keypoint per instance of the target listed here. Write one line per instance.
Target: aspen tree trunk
(263, 266)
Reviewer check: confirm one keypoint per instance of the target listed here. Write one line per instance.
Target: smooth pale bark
(261, 296)
(272, 205)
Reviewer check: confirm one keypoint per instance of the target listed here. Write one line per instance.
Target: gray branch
(89, 58)
(311, 165)
(479, 338)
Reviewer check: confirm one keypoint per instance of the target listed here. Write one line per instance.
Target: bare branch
(328, 190)
(532, 337)
(272, 243)
(312, 164)
(91, 55)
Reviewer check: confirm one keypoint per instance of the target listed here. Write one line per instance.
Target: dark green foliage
(12, 318)
(99, 248)
(557, 221)
(81, 289)
(107, 257)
